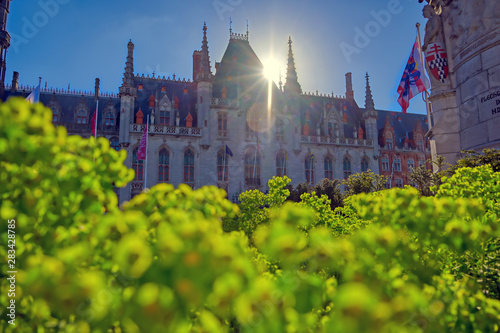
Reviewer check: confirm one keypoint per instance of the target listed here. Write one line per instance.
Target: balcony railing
(335, 141)
(224, 103)
(167, 130)
(73, 128)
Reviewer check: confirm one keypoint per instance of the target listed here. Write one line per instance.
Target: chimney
(15, 81)
(349, 93)
(97, 88)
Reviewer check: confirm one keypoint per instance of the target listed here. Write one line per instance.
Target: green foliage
(364, 182)
(296, 193)
(331, 189)
(471, 159)
(178, 260)
(425, 179)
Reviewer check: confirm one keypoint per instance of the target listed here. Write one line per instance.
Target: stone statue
(433, 28)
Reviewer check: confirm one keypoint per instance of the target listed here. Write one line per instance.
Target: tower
(128, 94)
(202, 75)
(4, 42)
(370, 115)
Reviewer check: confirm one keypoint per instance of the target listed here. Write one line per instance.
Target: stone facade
(466, 103)
(268, 130)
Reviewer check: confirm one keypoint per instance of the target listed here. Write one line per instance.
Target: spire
(369, 104)
(205, 56)
(128, 76)
(291, 83)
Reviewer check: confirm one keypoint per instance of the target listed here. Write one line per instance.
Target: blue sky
(73, 42)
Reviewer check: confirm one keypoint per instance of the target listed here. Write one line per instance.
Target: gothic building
(233, 128)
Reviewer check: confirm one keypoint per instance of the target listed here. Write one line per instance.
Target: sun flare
(271, 69)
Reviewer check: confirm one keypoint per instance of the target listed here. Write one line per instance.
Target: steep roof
(240, 72)
(404, 124)
(69, 102)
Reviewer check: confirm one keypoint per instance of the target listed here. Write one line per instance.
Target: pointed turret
(202, 75)
(128, 93)
(291, 84)
(369, 104)
(128, 76)
(205, 70)
(370, 115)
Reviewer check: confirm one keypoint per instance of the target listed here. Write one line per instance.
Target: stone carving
(470, 20)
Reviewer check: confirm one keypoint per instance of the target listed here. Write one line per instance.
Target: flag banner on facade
(141, 152)
(34, 96)
(414, 80)
(228, 151)
(437, 60)
(94, 124)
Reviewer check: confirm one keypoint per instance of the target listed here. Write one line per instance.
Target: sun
(271, 69)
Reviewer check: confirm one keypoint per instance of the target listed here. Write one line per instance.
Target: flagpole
(392, 175)
(255, 159)
(224, 163)
(146, 161)
(426, 94)
(95, 125)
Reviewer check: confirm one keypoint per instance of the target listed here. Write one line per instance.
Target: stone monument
(462, 52)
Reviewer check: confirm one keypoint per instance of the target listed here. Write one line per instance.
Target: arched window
(189, 166)
(411, 164)
(55, 115)
(252, 121)
(331, 128)
(281, 160)
(309, 164)
(222, 166)
(420, 142)
(397, 163)
(222, 124)
(164, 165)
(347, 167)
(280, 130)
(138, 166)
(165, 118)
(389, 144)
(365, 164)
(114, 143)
(328, 167)
(385, 163)
(81, 117)
(252, 168)
(109, 119)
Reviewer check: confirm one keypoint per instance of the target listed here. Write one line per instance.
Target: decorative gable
(82, 112)
(56, 108)
(165, 104)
